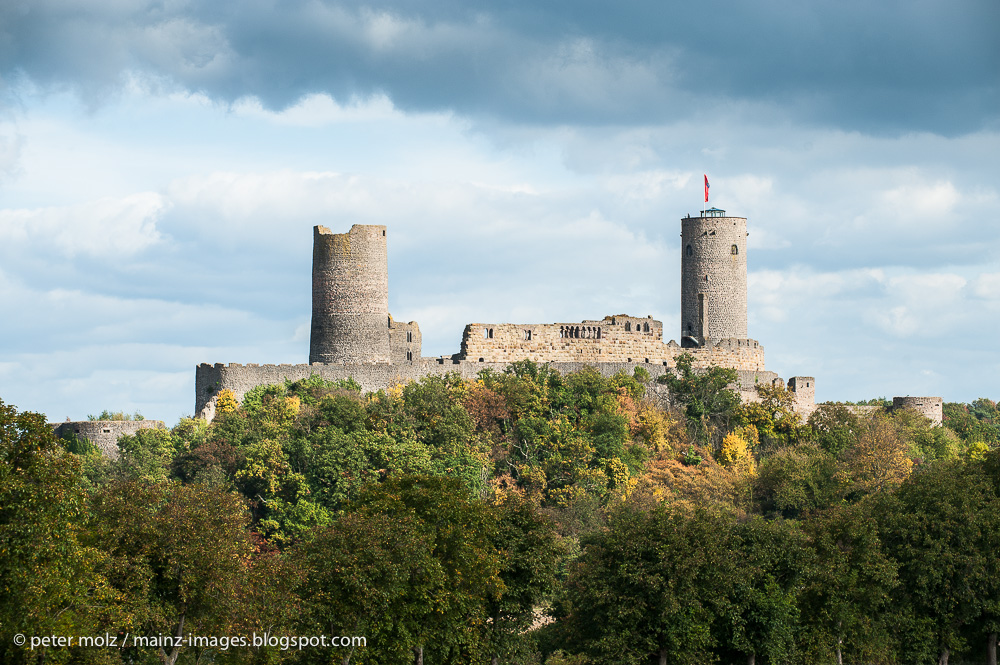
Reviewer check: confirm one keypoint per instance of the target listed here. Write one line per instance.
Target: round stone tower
(350, 312)
(713, 278)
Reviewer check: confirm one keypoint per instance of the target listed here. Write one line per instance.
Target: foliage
(444, 611)
(48, 584)
(116, 415)
(646, 588)
(847, 593)
(772, 416)
(800, 479)
(835, 427)
(708, 403)
(879, 459)
(175, 553)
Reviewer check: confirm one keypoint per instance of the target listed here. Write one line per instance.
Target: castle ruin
(353, 335)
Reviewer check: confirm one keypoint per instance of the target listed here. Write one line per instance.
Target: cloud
(104, 228)
(834, 63)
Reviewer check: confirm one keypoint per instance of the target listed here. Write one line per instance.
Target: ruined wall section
(104, 434)
(614, 339)
(803, 389)
(930, 407)
(713, 278)
(404, 341)
(350, 312)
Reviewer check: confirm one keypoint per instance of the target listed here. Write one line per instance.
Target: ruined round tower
(350, 312)
(713, 278)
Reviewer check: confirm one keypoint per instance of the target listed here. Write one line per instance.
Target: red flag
(706, 189)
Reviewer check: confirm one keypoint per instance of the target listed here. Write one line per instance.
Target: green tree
(759, 606)
(177, 555)
(705, 397)
(846, 596)
(940, 527)
(48, 581)
(646, 588)
(530, 553)
(773, 415)
(446, 613)
(799, 479)
(835, 428)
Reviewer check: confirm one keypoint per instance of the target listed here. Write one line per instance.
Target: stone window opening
(409, 355)
(598, 335)
(106, 430)
(645, 328)
(383, 233)
(488, 333)
(527, 335)
(734, 250)
(628, 326)
(409, 336)
(689, 251)
(482, 359)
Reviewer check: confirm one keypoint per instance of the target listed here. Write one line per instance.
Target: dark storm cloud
(886, 66)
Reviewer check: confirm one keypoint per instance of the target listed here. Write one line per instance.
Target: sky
(162, 163)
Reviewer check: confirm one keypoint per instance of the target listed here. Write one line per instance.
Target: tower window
(735, 250)
(409, 355)
(409, 336)
(689, 251)
(527, 334)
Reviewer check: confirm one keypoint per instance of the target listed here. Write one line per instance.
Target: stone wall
(404, 341)
(713, 278)
(614, 339)
(350, 308)
(930, 407)
(210, 379)
(105, 433)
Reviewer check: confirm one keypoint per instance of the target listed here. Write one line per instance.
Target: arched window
(689, 251)
(628, 326)
(734, 250)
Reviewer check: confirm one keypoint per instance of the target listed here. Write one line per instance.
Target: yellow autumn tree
(737, 454)
(879, 460)
(226, 403)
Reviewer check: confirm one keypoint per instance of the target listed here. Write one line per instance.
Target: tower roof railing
(713, 212)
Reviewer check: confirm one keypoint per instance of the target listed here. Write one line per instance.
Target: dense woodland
(524, 517)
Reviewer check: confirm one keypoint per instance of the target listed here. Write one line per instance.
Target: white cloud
(105, 228)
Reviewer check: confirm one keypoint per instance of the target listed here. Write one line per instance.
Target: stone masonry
(713, 278)
(350, 317)
(354, 336)
(104, 434)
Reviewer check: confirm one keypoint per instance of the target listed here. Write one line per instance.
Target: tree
(834, 427)
(799, 479)
(940, 526)
(758, 606)
(773, 415)
(704, 396)
(847, 592)
(446, 613)
(645, 588)
(878, 460)
(530, 553)
(176, 553)
(48, 581)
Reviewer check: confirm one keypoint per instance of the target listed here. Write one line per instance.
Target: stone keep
(713, 278)
(350, 311)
